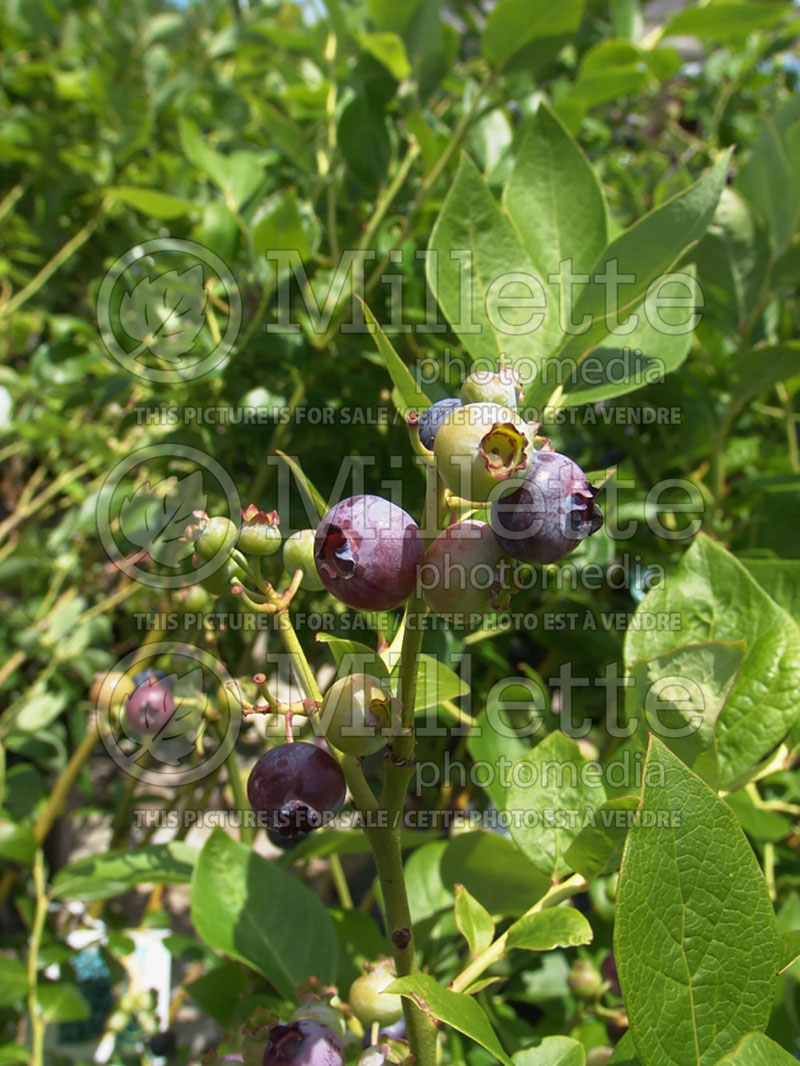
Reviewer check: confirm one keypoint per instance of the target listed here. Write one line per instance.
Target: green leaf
(351, 657)
(732, 259)
(780, 578)
(726, 20)
(625, 1052)
(556, 927)
(788, 949)
(495, 741)
(17, 841)
(238, 175)
(597, 849)
(679, 697)
(758, 823)
(152, 202)
(554, 200)
(219, 991)
(552, 1051)
(102, 876)
(36, 713)
(695, 976)
(718, 601)
(13, 1053)
(769, 177)
(494, 871)
(13, 981)
(392, 14)
(514, 23)
(412, 397)
(304, 485)
(756, 1049)
(389, 49)
(61, 1002)
(249, 909)
(551, 792)
(427, 892)
(473, 920)
(758, 370)
(280, 225)
(486, 283)
(456, 1009)
(643, 254)
(436, 683)
(659, 344)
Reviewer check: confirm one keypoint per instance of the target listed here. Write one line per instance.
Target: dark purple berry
(296, 787)
(367, 552)
(303, 1043)
(432, 417)
(151, 705)
(549, 514)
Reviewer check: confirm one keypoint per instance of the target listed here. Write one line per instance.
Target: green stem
(340, 882)
(240, 801)
(56, 802)
(47, 271)
(37, 1022)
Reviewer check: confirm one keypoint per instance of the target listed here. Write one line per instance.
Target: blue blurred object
(93, 979)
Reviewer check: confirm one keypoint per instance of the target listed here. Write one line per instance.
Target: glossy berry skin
(259, 539)
(367, 551)
(298, 554)
(481, 446)
(459, 571)
(358, 713)
(549, 514)
(150, 706)
(432, 417)
(370, 1003)
(584, 979)
(303, 1043)
(217, 537)
(296, 788)
(486, 386)
(322, 1012)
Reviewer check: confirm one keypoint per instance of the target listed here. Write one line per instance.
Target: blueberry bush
(398, 533)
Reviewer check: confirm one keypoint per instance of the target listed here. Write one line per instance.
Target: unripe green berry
(359, 714)
(584, 979)
(370, 1003)
(219, 583)
(259, 534)
(195, 599)
(482, 446)
(298, 554)
(486, 386)
(217, 537)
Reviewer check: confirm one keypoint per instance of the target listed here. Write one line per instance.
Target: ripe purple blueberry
(296, 788)
(367, 551)
(432, 417)
(359, 714)
(151, 705)
(459, 575)
(481, 446)
(303, 1043)
(549, 514)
